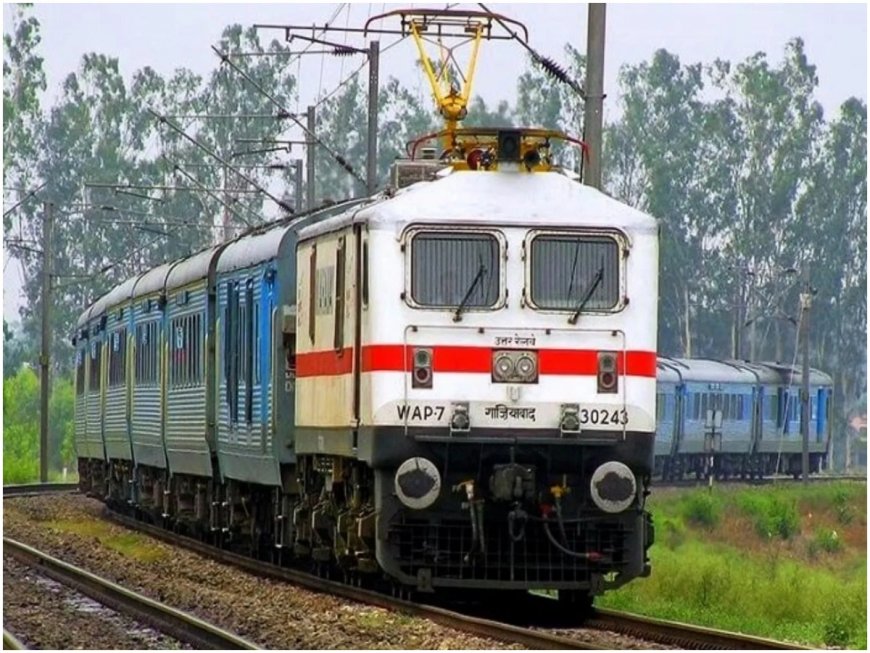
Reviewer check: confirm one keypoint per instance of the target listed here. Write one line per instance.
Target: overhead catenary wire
(283, 205)
(211, 194)
(29, 194)
(338, 158)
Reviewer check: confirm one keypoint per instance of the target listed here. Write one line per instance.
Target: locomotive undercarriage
(505, 518)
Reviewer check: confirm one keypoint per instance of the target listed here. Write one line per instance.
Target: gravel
(44, 614)
(270, 613)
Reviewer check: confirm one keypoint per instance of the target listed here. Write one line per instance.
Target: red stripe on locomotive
(473, 360)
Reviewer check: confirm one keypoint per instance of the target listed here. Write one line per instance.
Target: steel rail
(682, 635)
(35, 489)
(528, 638)
(645, 628)
(180, 625)
(11, 643)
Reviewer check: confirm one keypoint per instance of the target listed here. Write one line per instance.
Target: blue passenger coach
(758, 422)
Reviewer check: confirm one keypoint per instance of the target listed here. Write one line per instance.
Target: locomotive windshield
(454, 269)
(573, 272)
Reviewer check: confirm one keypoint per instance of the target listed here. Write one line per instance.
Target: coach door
(327, 357)
(360, 295)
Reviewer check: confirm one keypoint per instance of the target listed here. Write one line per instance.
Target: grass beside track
(131, 545)
(784, 561)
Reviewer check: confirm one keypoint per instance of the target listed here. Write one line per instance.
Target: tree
(776, 122)
(833, 212)
(100, 130)
(342, 123)
(656, 169)
(23, 80)
(543, 101)
(17, 350)
(21, 427)
(402, 118)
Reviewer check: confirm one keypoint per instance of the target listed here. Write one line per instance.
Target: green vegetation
(21, 427)
(128, 544)
(702, 509)
(778, 562)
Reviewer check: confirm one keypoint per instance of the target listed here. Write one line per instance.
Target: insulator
(553, 69)
(345, 164)
(341, 51)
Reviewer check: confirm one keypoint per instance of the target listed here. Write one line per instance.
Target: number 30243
(604, 416)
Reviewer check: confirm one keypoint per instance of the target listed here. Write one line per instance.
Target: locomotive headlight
(503, 368)
(417, 483)
(527, 368)
(613, 487)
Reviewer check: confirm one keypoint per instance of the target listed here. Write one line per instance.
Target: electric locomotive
(475, 370)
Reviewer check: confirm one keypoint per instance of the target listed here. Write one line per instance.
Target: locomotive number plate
(603, 416)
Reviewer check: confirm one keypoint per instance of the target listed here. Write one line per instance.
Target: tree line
(751, 182)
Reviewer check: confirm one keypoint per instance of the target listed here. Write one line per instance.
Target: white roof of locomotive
(541, 198)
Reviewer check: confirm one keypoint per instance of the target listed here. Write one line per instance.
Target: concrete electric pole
(806, 300)
(593, 109)
(309, 154)
(45, 354)
(372, 160)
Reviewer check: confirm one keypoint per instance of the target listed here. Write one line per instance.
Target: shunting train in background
(450, 384)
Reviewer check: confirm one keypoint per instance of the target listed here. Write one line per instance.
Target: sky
(169, 36)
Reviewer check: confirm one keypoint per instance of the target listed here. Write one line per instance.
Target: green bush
(772, 515)
(21, 426)
(842, 507)
(672, 532)
(826, 540)
(837, 630)
(702, 509)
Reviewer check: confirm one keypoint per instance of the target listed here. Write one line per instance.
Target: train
(757, 431)
(450, 385)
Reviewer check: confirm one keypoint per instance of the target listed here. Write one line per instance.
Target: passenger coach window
(118, 358)
(80, 372)
(96, 354)
(453, 269)
(567, 267)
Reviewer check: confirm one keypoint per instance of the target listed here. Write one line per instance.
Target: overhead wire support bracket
(338, 49)
(338, 158)
(281, 115)
(284, 206)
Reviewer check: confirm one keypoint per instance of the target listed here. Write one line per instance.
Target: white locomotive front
(483, 348)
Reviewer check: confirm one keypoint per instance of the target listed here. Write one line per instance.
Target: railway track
(561, 635)
(10, 642)
(534, 637)
(34, 489)
(680, 635)
(184, 627)
(766, 480)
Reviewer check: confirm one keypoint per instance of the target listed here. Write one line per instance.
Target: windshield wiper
(596, 281)
(457, 316)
